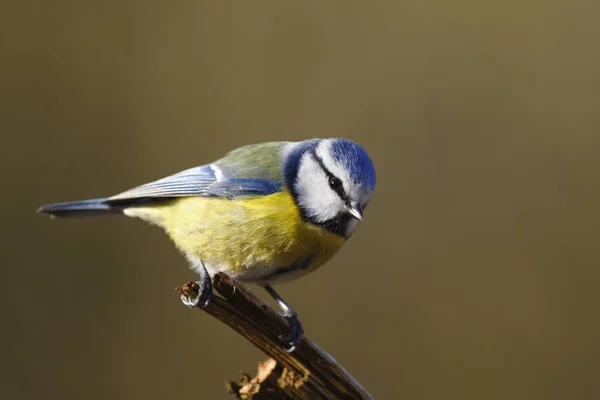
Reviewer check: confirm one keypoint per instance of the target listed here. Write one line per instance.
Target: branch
(308, 372)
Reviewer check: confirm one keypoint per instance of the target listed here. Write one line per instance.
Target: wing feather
(206, 180)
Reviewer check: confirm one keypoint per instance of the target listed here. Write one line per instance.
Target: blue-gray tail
(83, 208)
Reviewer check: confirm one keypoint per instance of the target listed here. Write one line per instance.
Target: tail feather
(83, 208)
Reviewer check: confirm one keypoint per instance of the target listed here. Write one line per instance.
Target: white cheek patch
(314, 194)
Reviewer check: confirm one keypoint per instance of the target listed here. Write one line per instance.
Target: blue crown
(356, 160)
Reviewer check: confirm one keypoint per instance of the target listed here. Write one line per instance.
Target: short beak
(356, 211)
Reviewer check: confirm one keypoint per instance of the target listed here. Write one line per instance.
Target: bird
(264, 213)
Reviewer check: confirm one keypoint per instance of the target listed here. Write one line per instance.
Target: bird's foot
(196, 294)
(296, 332)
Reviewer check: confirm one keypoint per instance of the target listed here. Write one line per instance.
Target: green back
(255, 161)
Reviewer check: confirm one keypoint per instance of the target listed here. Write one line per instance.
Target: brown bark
(306, 373)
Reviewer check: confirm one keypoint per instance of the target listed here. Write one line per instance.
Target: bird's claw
(296, 332)
(202, 297)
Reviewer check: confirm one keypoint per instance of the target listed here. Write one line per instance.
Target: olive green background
(475, 274)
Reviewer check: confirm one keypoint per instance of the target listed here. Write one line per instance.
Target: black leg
(296, 331)
(205, 290)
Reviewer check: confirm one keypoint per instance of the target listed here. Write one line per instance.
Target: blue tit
(264, 213)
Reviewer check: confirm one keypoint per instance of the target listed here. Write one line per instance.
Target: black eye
(335, 183)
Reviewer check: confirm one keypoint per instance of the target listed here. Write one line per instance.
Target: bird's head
(331, 180)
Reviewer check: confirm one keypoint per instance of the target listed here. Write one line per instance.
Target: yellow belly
(254, 239)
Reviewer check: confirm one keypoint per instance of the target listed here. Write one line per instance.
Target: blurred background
(475, 273)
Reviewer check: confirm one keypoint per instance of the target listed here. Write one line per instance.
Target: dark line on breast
(299, 265)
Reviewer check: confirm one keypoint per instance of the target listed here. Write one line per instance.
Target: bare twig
(307, 373)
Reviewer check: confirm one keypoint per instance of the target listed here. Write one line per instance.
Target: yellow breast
(251, 238)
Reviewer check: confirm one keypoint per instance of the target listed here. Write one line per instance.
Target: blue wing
(206, 180)
(253, 170)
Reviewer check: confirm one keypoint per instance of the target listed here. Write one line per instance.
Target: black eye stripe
(330, 176)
